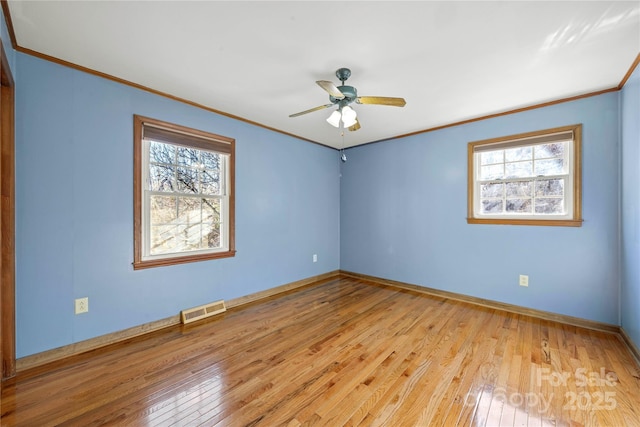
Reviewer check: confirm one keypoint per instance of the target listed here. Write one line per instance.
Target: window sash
(224, 237)
(534, 160)
(566, 197)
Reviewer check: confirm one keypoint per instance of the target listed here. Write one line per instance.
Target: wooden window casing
(163, 132)
(523, 140)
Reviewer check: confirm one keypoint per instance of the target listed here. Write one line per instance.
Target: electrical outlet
(82, 305)
(315, 257)
(524, 280)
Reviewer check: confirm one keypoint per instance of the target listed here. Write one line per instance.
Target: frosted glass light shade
(348, 116)
(334, 119)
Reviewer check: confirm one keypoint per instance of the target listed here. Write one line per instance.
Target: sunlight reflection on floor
(205, 394)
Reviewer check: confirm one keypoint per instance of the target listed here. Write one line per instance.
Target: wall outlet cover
(82, 305)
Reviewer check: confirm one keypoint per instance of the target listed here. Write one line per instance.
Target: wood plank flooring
(344, 352)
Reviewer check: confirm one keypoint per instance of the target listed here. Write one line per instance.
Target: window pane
(550, 187)
(163, 209)
(550, 167)
(187, 180)
(519, 169)
(550, 150)
(188, 156)
(519, 189)
(211, 235)
(549, 206)
(161, 153)
(491, 190)
(189, 210)
(210, 160)
(162, 178)
(163, 239)
(518, 153)
(188, 237)
(490, 157)
(492, 172)
(211, 209)
(492, 206)
(210, 182)
(519, 205)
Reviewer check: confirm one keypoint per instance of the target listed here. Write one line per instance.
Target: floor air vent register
(202, 312)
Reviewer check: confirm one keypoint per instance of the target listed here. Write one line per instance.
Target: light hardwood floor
(342, 352)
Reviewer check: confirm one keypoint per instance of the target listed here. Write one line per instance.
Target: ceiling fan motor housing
(350, 94)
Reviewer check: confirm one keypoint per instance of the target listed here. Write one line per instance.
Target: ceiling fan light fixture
(334, 119)
(348, 122)
(348, 116)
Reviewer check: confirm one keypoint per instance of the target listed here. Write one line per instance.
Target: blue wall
(74, 202)
(630, 135)
(403, 217)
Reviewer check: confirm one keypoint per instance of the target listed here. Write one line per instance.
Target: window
(526, 179)
(183, 194)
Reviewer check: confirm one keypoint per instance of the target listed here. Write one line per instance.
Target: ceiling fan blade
(322, 107)
(381, 100)
(355, 127)
(330, 88)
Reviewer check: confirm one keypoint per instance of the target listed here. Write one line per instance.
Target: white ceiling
(259, 60)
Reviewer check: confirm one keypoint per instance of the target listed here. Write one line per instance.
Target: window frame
(575, 169)
(190, 138)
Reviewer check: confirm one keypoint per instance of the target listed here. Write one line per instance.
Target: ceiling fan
(343, 96)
